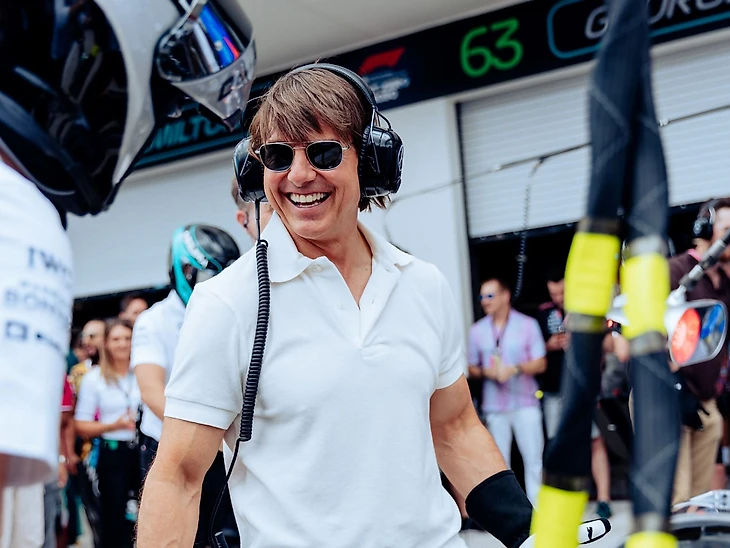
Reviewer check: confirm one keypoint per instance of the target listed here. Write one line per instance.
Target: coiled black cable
(254, 368)
(259, 341)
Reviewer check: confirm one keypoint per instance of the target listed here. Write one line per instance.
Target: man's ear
(242, 218)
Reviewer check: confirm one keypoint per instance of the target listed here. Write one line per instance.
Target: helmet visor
(210, 56)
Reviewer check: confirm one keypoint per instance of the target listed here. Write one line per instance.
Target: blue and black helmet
(199, 252)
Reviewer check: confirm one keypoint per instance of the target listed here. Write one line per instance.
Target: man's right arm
(168, 514)
(202, 399)
(151, 381)
(149, 361)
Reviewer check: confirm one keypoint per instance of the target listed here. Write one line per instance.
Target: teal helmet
(199, 252)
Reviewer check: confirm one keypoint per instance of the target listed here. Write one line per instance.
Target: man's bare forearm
(467, 453)
(168, 514)
(151, 381)
(156, 402)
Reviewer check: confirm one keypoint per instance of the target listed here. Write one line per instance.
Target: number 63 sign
(505, 53)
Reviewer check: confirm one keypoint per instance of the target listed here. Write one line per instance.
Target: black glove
(690, 407)
(500, 507)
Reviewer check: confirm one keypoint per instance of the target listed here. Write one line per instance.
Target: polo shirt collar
(286, 262)
(176, 302)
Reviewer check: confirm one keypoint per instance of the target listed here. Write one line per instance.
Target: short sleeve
(537, 343)
(473, 352)
(206, 385)
(87, 401)
(453, 359)
(147, 345)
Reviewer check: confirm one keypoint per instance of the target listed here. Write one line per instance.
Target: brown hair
(716, 203)
(106, 365)
(500, 282)
(127, 300)
(300, 103)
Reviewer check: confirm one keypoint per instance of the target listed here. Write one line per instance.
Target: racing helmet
(197, 253)
(84, 83)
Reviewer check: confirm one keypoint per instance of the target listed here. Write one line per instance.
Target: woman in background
(112, 389)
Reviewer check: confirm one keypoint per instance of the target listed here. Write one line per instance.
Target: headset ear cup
(697, 228)
(702, 229)
(382, 166)
(249, 173)
(364, 161)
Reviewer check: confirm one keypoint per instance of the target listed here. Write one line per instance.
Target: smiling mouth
(308, 200)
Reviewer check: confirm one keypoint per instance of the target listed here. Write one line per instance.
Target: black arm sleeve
(500, 507)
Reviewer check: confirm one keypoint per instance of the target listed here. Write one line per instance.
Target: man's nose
(301, 171)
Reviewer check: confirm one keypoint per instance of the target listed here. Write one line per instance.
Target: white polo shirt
(342, 454)
(112, 400)
(36, 280)
(153, 341)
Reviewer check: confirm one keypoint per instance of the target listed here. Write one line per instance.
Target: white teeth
(307, 198)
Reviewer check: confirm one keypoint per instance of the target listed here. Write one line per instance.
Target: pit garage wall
(126, 247)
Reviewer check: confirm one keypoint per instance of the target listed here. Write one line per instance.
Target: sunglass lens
(277, 156)
(325, 154)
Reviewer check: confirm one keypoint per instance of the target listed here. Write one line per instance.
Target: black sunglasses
(323, 155)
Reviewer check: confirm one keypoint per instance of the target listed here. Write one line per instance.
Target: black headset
(705, 223)
(381, 150)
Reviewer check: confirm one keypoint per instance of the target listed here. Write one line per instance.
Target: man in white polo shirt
(197, 252)
(362, 395)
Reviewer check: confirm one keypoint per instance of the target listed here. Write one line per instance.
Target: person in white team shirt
(197, 252)
(76, 110)
(35, 315)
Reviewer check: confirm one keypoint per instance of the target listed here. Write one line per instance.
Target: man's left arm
(471, 460)
(465, 449)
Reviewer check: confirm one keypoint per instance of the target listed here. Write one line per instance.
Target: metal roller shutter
(544, 118)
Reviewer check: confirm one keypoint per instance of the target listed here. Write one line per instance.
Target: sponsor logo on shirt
(37, 298)
(43, 259)
(555, 322)
(22, 332)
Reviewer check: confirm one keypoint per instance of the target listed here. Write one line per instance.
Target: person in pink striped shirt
(507, 350)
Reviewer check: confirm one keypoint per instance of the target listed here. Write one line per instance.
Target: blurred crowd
(516, 365)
